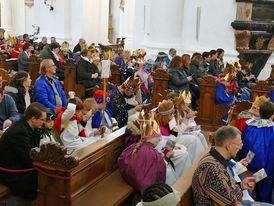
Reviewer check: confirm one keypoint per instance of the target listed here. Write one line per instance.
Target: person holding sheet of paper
(212, 182)
(258, 136)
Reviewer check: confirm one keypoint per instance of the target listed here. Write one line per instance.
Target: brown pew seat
(4, 191)
(113, 190)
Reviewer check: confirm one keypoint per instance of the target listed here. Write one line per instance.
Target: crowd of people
(159, 144)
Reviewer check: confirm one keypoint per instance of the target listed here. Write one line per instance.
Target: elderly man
(15, 146)
(78, 46)
(212, 182)
(172, 52)
(49, 91)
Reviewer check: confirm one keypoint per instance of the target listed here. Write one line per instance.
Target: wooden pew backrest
(260, 88)
(34, 67)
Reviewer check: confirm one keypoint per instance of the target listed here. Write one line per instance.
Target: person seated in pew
(214, 68)
(15, 145)
(226, 91)
(77, 48)
(63, 54)
(118, 104)
(72, 121)
(20, 89)
(184, 118)
(140, 164)
(212, 182)
(180, 157)
(48, 133)
(119, 60)
(43, 43)
(87, 73)
(8, 111)
(171, 53)
(54, 55)
(24, 56)
(258, 136)
(109, 120)
(48, 89)
(179, 79)
(251, 113)
(17, 50)
(160, 194)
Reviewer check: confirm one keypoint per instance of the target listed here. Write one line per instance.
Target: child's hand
(181, 121)
(97, 132)
(85, 118)
(244, 162)
(189, 129)
(177, 148)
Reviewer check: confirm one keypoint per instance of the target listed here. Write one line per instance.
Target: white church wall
(29, 19)
(52, 23)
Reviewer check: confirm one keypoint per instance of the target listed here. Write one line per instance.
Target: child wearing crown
(140, 164)
(194, 141)
(71, 122)
(179, 155)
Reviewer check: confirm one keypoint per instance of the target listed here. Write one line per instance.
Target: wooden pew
(184, 183)
(94, 180)
(8, 64)
(210, 115)
(260, 88)
(160, 87)
(120, 42)
(34, 67)
(5, 76)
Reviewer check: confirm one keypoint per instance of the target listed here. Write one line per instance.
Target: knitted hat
(99, 96)
(51, 115)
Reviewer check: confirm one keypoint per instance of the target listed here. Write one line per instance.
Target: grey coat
(178, 81)
(22, 62)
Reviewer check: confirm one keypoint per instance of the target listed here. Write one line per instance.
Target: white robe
(181, 161)
(70, 136)
(191, 123)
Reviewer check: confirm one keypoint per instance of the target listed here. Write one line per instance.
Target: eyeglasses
(239, 145)
(52, 65)
(44, 120)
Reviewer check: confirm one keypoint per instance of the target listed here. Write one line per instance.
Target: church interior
(136, 102)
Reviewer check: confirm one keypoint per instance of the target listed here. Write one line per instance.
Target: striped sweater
(213, 184)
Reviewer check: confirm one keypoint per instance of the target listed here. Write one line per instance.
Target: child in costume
(73, 122)
(140, 164)
(109, 121)
(190, 140)
(179, 156)
(48, 132)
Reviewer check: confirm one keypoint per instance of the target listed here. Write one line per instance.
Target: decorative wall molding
(29, 3)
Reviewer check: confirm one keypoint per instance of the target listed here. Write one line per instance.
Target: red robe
(242, 118)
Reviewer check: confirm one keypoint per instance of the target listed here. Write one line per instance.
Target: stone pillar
(6, 16)
(129, 23)
(18, 16)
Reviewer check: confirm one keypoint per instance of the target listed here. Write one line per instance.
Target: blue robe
(222, 98)
(272, 96)
(97, 118)
(261, 142)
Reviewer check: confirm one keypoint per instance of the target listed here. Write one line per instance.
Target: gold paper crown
(64, 45)
(259, 101)
(179, 99)
(148, 125)
(188, 98)
(184, 94)
(95, 56)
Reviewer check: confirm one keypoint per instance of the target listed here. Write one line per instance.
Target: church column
(6, 16)
(129, 20)
(18, 16)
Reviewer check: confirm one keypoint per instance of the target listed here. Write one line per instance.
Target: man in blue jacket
(49, 91)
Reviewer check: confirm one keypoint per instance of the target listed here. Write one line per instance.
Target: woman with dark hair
(23, 57)
(20, 89)
(179, 80)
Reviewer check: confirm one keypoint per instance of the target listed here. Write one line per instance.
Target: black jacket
(195, 72)
(84, 71)
(15, 146)
(213, 68)
(18, 95)
(77, 48)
